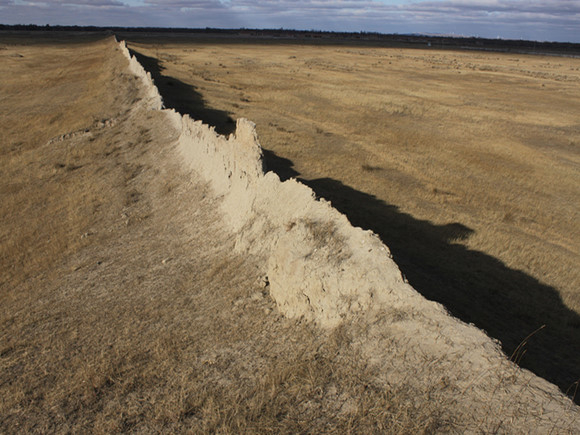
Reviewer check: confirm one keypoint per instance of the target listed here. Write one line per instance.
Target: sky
(541, 20)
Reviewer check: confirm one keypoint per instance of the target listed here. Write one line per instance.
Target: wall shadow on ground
(282, 166)
(473, 286)
(184, 98)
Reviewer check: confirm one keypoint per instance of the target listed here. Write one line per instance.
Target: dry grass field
(125, 308)
(122, 305)
(467, 164)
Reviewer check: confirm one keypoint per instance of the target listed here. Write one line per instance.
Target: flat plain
(125, 307)
(465, 163)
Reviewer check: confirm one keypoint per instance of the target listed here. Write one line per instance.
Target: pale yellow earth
(126, 307)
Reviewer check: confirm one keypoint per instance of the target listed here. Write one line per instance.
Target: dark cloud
(186, 4)
(81, 3)
(93, 3)
(498, 6)
(502, 16)
(478, 8)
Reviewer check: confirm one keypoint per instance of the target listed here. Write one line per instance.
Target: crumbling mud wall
(318, 265)
(153, 98)
(323, 269)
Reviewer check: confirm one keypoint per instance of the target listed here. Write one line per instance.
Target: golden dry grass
(122, 305)
(465, 163)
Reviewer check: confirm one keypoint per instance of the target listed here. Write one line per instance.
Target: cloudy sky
(544, 20)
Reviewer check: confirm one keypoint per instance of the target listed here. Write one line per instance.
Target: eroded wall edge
(152, 95)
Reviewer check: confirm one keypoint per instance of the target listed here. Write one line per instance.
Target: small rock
(263, 281)
(257, 296)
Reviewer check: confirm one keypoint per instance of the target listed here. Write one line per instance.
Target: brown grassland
(123, 306)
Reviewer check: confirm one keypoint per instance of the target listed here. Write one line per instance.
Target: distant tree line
(434, 41)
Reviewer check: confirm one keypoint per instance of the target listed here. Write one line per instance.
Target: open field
(465, 163)
(125, 306)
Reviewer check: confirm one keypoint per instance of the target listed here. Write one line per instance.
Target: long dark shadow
(184, 98)
(475, 287)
